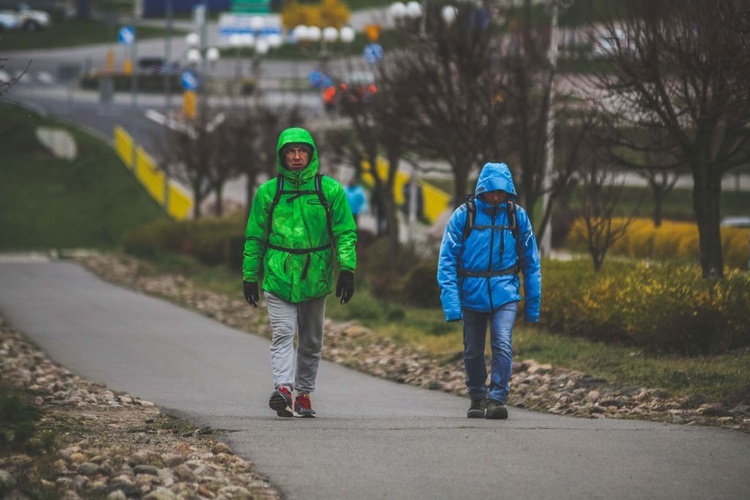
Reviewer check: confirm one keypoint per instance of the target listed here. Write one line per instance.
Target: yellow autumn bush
(326, 13)
(671, 241)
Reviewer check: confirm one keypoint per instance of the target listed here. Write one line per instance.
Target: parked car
(606, 44)
(57, 9)
(736, 221)
(30, 19)
(8, 21)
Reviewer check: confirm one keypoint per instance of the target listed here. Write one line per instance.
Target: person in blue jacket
(355, 194)
(478, 273)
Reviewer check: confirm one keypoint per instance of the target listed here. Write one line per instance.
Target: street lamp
(326, 36)
(400, 12)
(194, 55)
(256, 38)
(413, 10)
(197, 60)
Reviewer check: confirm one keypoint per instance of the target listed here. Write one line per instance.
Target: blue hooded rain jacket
(490, 247)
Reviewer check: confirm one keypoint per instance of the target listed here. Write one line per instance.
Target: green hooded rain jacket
(292, 248)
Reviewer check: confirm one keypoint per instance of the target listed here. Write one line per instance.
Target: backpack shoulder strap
(512, 219)
(471, 214)
(319, 191)
(276, 198)
(324, 202)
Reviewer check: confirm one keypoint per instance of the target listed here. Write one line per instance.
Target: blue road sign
(190, 81)
(127, 35)
(373, 52)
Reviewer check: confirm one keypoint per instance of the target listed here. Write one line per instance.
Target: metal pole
(413, 189)
(134, 87)
(168, 58)
(545, 245)
(133, 57)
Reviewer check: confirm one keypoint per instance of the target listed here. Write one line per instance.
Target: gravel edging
(111, 445)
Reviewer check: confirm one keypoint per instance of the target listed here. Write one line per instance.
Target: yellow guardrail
(435, 199)
(174, 198)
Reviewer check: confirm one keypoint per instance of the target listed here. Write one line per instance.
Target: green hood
(296, 134)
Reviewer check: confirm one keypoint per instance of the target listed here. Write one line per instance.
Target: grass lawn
(48, 202)
(70, 33)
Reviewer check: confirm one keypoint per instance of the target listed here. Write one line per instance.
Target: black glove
(250, 289)
(345, 286)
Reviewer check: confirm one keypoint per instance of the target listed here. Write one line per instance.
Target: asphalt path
(373, 438)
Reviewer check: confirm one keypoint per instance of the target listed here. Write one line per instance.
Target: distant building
(158, 8)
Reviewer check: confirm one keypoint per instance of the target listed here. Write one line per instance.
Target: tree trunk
(706, 205)
(219, 206)
(659, 196)
(393, 229)
(249, 192)
(461, 186)
(198, 198)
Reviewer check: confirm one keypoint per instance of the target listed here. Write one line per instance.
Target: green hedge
(147, 83)
(211, 240)
(659, 308)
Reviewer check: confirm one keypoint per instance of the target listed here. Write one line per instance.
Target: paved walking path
(373, 438)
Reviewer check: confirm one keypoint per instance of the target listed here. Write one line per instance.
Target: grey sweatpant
(307, 318)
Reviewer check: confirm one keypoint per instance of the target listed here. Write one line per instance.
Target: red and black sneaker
(303, 407)
(281, 402)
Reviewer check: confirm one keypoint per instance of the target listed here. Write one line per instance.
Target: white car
(606, 44)
(8, 21)
(736, 221)
(31, 19)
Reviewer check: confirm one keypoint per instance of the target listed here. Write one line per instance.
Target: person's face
(297, 158)
(494, 197)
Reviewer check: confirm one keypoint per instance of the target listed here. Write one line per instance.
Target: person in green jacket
(300, 223)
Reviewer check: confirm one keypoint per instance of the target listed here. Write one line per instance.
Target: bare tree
(228, 148)
(188, 149)
(5, 85)
(653, 159)
(222, 144)
(539, 112)
(680, 68)
(601, 195)
(450, 80)
(380, 122)
(257, 140)
(482, 95)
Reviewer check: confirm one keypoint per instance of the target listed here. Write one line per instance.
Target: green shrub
(385, 274)
(419, 286)
(661, 308)
(18, 419)
(160, 236)
(147, 83)
(211, 240)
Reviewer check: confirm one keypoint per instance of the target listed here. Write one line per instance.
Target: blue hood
(495, 177)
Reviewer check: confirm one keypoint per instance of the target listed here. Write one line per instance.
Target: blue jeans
(501, 333)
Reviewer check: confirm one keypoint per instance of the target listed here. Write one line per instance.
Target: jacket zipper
(489, 264)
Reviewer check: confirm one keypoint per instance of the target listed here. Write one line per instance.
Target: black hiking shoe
(496, 410)
(281, 402)
(477, 408)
